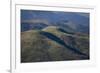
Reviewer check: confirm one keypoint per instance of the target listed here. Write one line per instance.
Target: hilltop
(53, 43)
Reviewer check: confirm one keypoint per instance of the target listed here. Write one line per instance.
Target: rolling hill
(53, 43)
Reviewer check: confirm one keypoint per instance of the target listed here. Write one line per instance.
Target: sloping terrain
(53, 44)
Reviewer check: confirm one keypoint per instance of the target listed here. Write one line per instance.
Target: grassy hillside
(53, 44)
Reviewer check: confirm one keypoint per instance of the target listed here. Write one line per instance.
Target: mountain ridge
(48, 41)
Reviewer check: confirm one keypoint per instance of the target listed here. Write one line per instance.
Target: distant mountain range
(72, 21)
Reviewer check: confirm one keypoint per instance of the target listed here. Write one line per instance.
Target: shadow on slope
(58, 40)
(64, 31)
